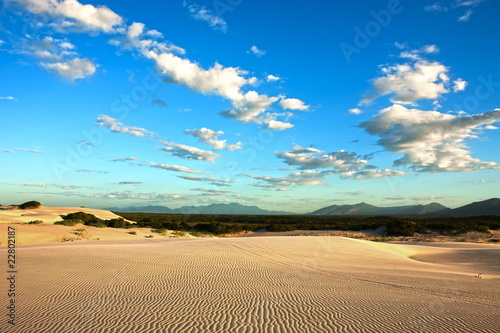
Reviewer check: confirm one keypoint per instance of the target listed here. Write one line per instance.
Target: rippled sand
(268, 284)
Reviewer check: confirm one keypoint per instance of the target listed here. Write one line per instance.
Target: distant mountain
(143, 209)
(486, 207)
(231, 208)
(366, 209)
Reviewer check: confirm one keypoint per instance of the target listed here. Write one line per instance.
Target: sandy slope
(48, 214)
(267, 284)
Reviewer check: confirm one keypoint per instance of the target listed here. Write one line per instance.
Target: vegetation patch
(30, 205)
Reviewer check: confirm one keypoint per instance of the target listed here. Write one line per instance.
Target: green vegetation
(36, 222)
(30, 205)
(91, 220)
(132, 232)
(69, 222)
(395, 226)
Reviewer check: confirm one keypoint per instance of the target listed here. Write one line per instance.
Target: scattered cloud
(212, 181)
(209, 137)
(296, 178)
(36, 151)
(200, 13)
(8, 98)
(411, 82)
(72, 15)
(272, 78)
(355, 111)
(431, 141)
(176, 168)
(344, 163)
(226, 82)
(256, 51)
(436, 7)
(128, 182)
(125, 159)
(117, 127)
(312, 158)
(293, 104)
(188, 152)
(159, 102)
(139, 196)
(456, 4)
(459, 85)
(7, 151)
(73, 69)
(43, 185)
(276, 125)
(91, 171)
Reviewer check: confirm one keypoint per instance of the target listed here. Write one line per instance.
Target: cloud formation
(256, 51)
(71, 14)
(431, 141)
(176, 168)
(212, 181)
(117, 127)
(209, 137)
(201, 13)
(188, 152)
(411, 82)
(73, 69)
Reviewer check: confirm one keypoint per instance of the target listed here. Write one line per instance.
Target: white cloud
(136, 37)
(176, 168)
(213, 181)
(369, 174)
(430, 49)
(272, 78)
(129, 182)
(188, 152)
(355, 111)
(73, 14)
(459, 85)
(43, 185)
(297, 178)
(209, 137)
(411, 82)
(293, 104)
(346, 164)
(125, 159)
(466, 16)
(256, 51)
(202, 14)
(72, 69)
(36, 151)
(436, 7)
(312, 158)
(430, 141)
(227, 82)
(7, 151)
(8, 98)
(469, 4)
(139, 196)
(116, 126)
(277, 125)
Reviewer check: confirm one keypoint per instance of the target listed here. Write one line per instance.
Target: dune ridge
(267, 284)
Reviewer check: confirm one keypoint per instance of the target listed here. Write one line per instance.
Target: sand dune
(9, 214)
(255, 284)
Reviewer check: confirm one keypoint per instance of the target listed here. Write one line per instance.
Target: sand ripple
(271, 284)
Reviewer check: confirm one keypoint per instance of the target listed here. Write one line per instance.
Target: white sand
(8, 214)
(255, 284)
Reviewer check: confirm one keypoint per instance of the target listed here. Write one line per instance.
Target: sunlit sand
(256, 284)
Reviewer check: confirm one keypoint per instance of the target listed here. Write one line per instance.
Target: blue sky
(286, 105)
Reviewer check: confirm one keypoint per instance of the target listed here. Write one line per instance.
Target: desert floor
(254, 284)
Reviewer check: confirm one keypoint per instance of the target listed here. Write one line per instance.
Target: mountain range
(231, 208)
(486, 207)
